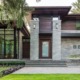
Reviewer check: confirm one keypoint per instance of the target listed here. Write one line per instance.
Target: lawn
(41, 77)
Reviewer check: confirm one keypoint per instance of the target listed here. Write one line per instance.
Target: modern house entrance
(51, 36)
(45, 49)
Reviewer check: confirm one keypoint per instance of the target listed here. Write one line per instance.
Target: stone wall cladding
(34, 40)
(67, 47)
(20, 45)
(56, 40)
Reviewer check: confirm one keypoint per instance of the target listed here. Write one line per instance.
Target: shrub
(10, 63)
(75, 56)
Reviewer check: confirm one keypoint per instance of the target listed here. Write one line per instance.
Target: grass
(41, 77)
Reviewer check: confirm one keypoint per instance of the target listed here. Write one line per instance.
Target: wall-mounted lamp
(34, 26)
(56, 25)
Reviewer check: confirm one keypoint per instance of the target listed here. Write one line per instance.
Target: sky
(50, 2)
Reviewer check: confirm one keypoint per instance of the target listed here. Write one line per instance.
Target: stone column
(20, 45)
(34, 39)
(56, 40)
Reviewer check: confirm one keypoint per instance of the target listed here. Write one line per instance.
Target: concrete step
(45, 63)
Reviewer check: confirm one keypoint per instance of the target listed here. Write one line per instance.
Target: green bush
(9, 63)
(75, 56)
(78, 28)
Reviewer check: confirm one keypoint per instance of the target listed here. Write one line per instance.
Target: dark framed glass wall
(8, 41)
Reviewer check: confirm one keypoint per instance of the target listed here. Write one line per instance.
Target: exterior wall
(29, 17)
(68, 25)
(70, 46)
(45, 24)
(27, 20)
(20, 45)
(56, 40)
(34, 40)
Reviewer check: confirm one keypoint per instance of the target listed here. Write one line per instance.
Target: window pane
(1, 46)
(45, 49)
(1, 31)
(78, 25)
(9, 31)
(9, 46)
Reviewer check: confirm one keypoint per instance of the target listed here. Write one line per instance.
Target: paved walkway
(48, 70)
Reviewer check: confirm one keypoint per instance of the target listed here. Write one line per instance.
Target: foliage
(8, 63)
(3, 68)
(14, 10)
(75, 56)
(76, 7)
(78, 25)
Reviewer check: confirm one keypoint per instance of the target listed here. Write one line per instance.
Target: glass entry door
(45, 48)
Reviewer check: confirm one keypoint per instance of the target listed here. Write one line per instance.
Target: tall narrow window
(7, 43)
(45, 49)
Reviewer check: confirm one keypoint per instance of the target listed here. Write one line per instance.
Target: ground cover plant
(7, 67)
(3, 68)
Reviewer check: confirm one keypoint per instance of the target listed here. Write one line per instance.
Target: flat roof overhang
(51, 10)
(25, 31)
(72, 17)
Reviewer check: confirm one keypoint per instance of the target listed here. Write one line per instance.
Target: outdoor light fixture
(34, 26)
(56, 25)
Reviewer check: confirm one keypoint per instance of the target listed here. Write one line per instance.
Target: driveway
(48, 70)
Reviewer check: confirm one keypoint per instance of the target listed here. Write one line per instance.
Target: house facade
(54, 35)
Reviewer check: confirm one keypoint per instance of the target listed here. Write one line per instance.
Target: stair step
(45, 63)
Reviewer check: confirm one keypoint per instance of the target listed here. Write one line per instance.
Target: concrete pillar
(56, 40)
(20, 45)
(34, 39)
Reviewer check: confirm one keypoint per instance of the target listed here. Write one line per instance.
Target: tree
(76, 7)
(14, 11)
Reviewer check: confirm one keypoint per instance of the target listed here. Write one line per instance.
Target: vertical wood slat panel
(45, 24)
(69, 25)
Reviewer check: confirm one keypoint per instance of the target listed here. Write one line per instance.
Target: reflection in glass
(9, 49)
(1, 46)
(7, 43)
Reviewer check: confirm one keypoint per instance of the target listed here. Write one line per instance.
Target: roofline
(50, 7)
(73, 14)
